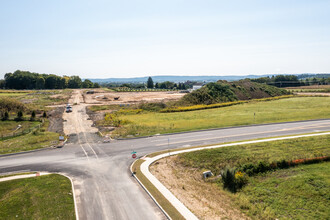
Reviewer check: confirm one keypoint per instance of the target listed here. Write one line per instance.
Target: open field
(292, 109)
(44, 197)
(38, 99)
(301, 192)
(9, 127)
(39, 138)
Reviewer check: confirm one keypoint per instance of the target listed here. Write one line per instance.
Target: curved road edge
(181, 208)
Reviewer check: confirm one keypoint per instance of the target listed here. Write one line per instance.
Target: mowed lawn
(44, 197)
(291, 109)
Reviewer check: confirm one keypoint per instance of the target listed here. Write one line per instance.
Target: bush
(5, 116)
(19, 116)
(33, 116)
(228, 179)
(233, 180)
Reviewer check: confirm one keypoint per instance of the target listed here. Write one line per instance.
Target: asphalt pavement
(103, 184)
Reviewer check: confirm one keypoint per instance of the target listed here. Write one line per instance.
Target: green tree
(19, 116)
(74, 82)
(87, 84)
(96, 85)
(40, 82)
(33, 116)
(2, 84)
(150, 83)
(5, 116)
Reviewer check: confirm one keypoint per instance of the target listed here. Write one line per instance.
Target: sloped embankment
(223, 91)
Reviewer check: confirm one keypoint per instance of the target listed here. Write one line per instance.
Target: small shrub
(228, 179)
(19, 116)
(5, 116)
(233, 180)
(44, 115)
(33, 116)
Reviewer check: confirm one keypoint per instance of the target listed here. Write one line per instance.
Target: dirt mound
(223, 91)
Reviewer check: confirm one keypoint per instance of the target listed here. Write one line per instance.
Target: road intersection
(103, 185)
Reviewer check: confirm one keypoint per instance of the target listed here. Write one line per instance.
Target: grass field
(292, 109)
(297, 193)
(13, 94)
(34, 140)
(301, 192)
(217, 159)
(38, 99)
(8, 127)
(44, 197)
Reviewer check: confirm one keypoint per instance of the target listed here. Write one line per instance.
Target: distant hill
(175, 79)
(206, 79)
(223, 91)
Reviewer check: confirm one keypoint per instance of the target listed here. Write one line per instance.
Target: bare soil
(101, 97)
(55, 120)
(203, 198)
(77, 121)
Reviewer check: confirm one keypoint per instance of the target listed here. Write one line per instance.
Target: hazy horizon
(111, 39)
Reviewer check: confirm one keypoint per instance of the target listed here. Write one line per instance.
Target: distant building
(195, 87)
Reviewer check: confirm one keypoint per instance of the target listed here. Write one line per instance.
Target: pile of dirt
(223, 91)
(55, 120)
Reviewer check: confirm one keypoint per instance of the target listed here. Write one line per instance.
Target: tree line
(291, 81)
(28, 80)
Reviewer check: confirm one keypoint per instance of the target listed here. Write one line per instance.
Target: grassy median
(292, 109)
(44, 197)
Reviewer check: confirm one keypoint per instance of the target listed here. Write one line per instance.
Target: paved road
(100, 171)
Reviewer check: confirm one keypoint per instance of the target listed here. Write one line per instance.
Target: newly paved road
(100, 171)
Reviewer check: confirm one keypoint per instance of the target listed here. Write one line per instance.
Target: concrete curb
(15, 177)
(145, 189)
(215, 129)
(184, 211)
(73, 194)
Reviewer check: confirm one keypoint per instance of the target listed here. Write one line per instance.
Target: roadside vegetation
(297, 190)
(35, 139)
(24, 123)
(43, 197)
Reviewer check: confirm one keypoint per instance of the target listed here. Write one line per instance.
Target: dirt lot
(108, 98)
(189, 187)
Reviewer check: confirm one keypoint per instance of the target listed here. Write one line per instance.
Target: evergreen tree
(150, 83)
(19, 116)
(33, 115)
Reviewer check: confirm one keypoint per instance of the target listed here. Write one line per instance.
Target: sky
(105, 38)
